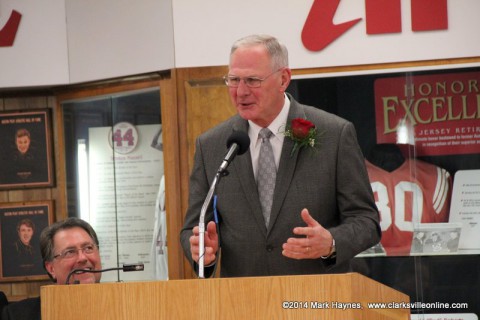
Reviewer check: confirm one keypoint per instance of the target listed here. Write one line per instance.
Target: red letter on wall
(429, 15)
(8, 32)
(383, 16)
(319, 30)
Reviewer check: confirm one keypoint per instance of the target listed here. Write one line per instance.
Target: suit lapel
(287, 165)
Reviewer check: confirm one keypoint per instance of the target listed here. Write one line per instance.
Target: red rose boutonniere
(302, 132)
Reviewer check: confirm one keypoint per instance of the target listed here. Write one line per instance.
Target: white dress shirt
(278, 128)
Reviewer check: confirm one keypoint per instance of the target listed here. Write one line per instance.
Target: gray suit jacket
(331, 182)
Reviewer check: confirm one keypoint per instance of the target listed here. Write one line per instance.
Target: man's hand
(316, 243)
(211, 243)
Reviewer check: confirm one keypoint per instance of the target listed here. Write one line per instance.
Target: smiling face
(59, 268)
(260, 105)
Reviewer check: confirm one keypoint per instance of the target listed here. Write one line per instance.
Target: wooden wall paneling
(23, 290)
(6, 288)
(3, 194)
(208, 104)
(178, 94)
(27, 101)
(24, 195)
(20, 290)
(54, 194)
(108, 87)
(59, 194)
(171, 158)
(185, 80)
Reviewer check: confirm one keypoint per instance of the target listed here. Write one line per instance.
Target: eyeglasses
(71, 253)
(251, 82)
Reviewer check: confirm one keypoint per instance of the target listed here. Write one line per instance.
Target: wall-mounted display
(419, 131)
(114, 169)
(26, 160)
(21, 224)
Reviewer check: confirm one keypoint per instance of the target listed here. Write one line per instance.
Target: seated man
(65, 245)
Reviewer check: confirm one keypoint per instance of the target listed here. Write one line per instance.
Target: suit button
(269, 248)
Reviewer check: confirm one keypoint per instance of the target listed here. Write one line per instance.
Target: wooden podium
(287, 297)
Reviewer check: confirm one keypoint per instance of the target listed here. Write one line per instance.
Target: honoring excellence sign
(441, 112)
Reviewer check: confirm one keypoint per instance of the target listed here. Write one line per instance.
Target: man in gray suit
(323, 211)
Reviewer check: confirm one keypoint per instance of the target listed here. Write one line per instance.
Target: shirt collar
(277, 126)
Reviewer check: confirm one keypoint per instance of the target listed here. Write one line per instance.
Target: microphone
(238, 143)
(124, 268)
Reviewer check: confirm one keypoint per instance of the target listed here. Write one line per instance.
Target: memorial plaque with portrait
(26, 159)
(21, 224)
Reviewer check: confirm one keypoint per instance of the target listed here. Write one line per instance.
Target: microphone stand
(201, 223)
(237, 141)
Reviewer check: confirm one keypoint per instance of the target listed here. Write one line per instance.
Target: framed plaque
(20, 226)
(26, 160)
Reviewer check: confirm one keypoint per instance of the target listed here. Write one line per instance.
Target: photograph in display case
(21, 225)
(26, 160)
(376, 251)
(436, 238)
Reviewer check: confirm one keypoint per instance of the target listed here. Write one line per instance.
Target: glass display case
(420, 135)
(115, 174)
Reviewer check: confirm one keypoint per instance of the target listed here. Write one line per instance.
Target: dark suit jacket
(28, 309)
(331, 182)
(3, 302)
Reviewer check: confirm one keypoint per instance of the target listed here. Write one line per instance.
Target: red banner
(440, 113)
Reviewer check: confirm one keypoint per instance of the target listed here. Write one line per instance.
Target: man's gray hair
(277, 51)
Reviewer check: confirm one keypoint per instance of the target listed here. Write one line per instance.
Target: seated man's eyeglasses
(73, 252)
(251, 82)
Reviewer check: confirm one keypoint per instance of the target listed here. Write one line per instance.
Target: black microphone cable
(124, 268)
